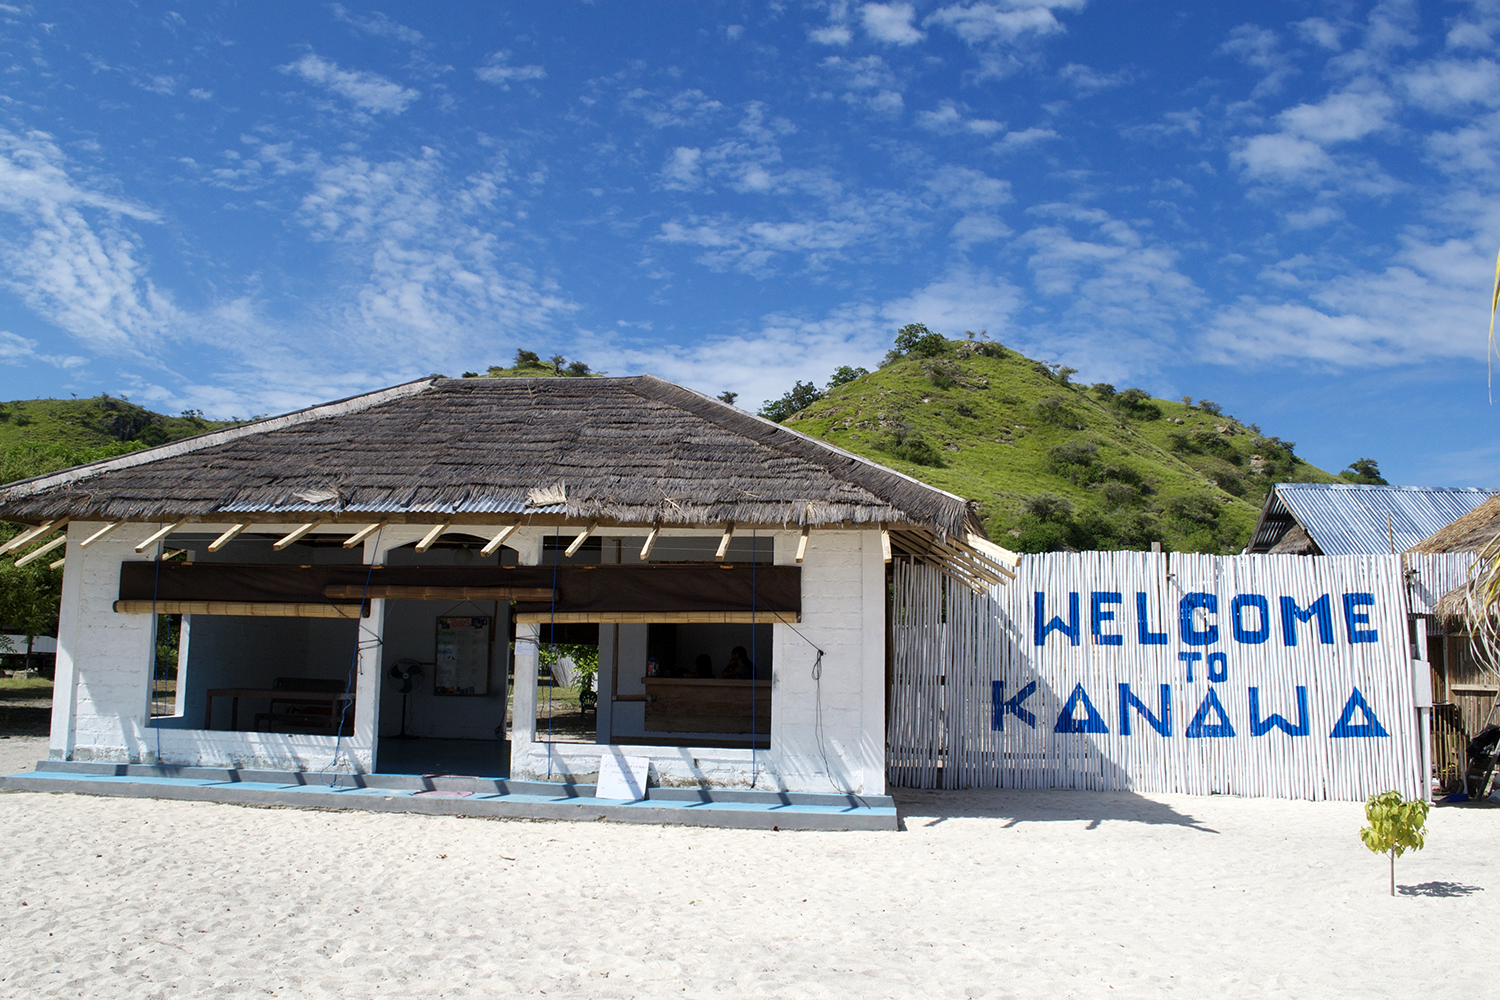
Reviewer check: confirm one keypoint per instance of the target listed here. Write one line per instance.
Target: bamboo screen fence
(1076, 675)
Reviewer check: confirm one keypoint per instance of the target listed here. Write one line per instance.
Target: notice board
(463, 656)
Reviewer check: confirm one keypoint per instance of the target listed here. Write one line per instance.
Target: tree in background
(728, 397)
(800, 397)
(916, 341)
(844, 374)
(30, 595)
(1364, 470)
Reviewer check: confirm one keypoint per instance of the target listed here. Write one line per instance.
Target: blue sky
(1289, 208)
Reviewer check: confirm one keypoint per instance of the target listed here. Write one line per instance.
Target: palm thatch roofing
(1470, 533)
(634, 450)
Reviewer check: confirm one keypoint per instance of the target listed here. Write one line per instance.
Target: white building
(312, 566)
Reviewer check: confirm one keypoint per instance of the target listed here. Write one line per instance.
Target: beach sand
(984, 894)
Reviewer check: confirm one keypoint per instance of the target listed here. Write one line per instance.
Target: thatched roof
(1469, 533)
(623, 450)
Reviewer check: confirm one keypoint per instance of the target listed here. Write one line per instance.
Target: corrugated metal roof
(1351, 519)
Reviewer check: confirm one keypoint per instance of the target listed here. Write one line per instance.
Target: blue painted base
(456, 796)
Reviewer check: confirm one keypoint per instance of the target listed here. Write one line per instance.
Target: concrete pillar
(371, 641)
(872, 669)
(528, 545)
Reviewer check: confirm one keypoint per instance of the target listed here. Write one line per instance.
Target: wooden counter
(706, 705)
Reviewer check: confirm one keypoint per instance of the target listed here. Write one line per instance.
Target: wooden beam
(30, 535)
(995, 552)
(111, 526)
(397, 592)
(493, 545)
(36, 554)
(58, 564)
(363, 533)
(885, 542)
(158, 535)
(650, 541)
(582, 537)
(724, 542)
(296, 533)
(802, 543)
(432, 536)
(658, 617)
(227, 537)
(242, 608)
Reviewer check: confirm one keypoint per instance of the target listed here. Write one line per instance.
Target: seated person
(739, 666)
(704, 665)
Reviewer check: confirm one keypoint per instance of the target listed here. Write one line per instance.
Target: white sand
(985, 894)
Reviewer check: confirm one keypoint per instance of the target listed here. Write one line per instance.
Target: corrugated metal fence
(1281, 676)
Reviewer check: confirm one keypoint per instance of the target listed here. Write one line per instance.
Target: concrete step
(463, 796)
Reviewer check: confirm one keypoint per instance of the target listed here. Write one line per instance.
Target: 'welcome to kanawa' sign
(1256, 675)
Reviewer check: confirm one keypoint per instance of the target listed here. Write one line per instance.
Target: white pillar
(872, 667)
(528, 546)
(372, 642)
(101, 689)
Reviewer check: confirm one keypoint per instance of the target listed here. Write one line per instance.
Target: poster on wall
(463, 656)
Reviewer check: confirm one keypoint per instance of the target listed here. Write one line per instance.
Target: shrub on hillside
(1192, 508)
(941, 374)
(1054, 410)
(1136, 404)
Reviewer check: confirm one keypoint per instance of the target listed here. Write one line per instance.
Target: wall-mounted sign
(463, 656)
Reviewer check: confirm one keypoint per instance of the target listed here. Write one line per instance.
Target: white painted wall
(839, 718)
(102, 690)
(827, 734)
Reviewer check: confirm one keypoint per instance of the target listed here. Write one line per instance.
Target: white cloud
(73, 261)
(1299, 154)
(685, 108)
(833, 34)
(891, 23)
(1450, 84)
(870, 81)
(1087, 80)
(965, 188)
(1026, 137)
(763, 361)
(1259, 48)
(1429, 302)
(1341, 117)
(948, 119)
(682, 171)
(1006, 22)
(430, 268)
(1321, 32)
(366, 90)
(973, 229)
(496, 70)
(378, 24)
(18, 350)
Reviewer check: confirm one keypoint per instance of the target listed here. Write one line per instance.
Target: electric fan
(408, 672)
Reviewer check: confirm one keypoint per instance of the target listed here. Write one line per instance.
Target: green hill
(93, 423)
(1053, 463)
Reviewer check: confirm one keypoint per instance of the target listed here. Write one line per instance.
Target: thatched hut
(330, 583)
(1463, 625)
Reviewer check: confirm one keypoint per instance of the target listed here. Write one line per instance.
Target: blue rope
(552, 642)
(754, 663)
(156, 646)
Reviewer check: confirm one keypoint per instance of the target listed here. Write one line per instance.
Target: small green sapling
(1395, 827)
